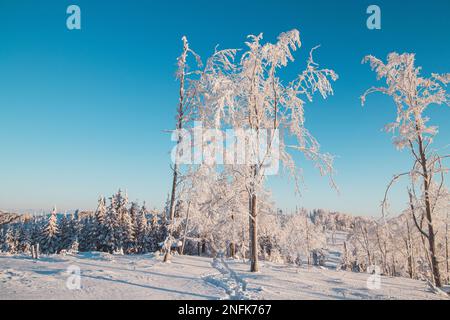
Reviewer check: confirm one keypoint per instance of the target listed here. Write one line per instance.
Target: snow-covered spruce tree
(412, 95)
(254, 98)
(23, 237)
(64, 233)
(49, 237)
(157, 230)
(9, 240)
(134, 212)
(86, 237)
(36, 230)
(99, 223)
(128, 234)
(141, 230)
(109, 242)
(121, 232)
(74, 225)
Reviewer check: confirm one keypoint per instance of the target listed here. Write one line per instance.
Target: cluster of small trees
(209, 221)
(119, 227)
(398, 247)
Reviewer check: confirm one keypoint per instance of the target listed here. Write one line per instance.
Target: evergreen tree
(109, 242)
(49, 240)
(64, 234)
(141, 233)
(120, 234)
(74, 231)
(134, 213)
(36, 230)
(9, 243)
(85, 238)
(100, 223)
(127, 228)
(23, 238)
(158, 231)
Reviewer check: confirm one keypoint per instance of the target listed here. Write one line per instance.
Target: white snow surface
(105, 276)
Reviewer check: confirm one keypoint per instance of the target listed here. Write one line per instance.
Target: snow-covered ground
(105, 276)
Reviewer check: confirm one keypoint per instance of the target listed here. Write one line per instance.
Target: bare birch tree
(412, 95)
(253, 98)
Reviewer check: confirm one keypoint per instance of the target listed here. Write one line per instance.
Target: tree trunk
(173, 192)
(410, 250)
(253, 235)
(232, 249)
(446, 250)
(180, 116)
(308, 247)
(185, 228)
(203, 246)
(166, 255)
(431, 233)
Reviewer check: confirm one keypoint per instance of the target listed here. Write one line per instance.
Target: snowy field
(105, 276)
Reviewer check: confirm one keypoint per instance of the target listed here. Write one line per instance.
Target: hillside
(105, 276)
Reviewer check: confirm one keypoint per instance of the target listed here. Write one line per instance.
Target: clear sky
(83, 112)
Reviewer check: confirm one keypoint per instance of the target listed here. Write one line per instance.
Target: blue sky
(84, 112)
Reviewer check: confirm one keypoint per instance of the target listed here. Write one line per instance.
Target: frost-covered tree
(141, 231)
(23, 237)
(110, 241)
(36, 230)
(193, 94)
(184, 110)
(128, 234)
(251, 96)
(65, 235)
(49, 237)
(413, 94)
(86, 238)
(99, 222)
(9, 241)
(134, 212)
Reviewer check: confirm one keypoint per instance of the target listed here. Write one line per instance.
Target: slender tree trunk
(232, 249)
(409, 251)
(232, 246)
(431, 233)
(446, 249)
(308, 247)
(382, 252)
(180, 119)
(173, 192)
(185, 228)
(203, 246)
(254, 267)
(367, 244)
